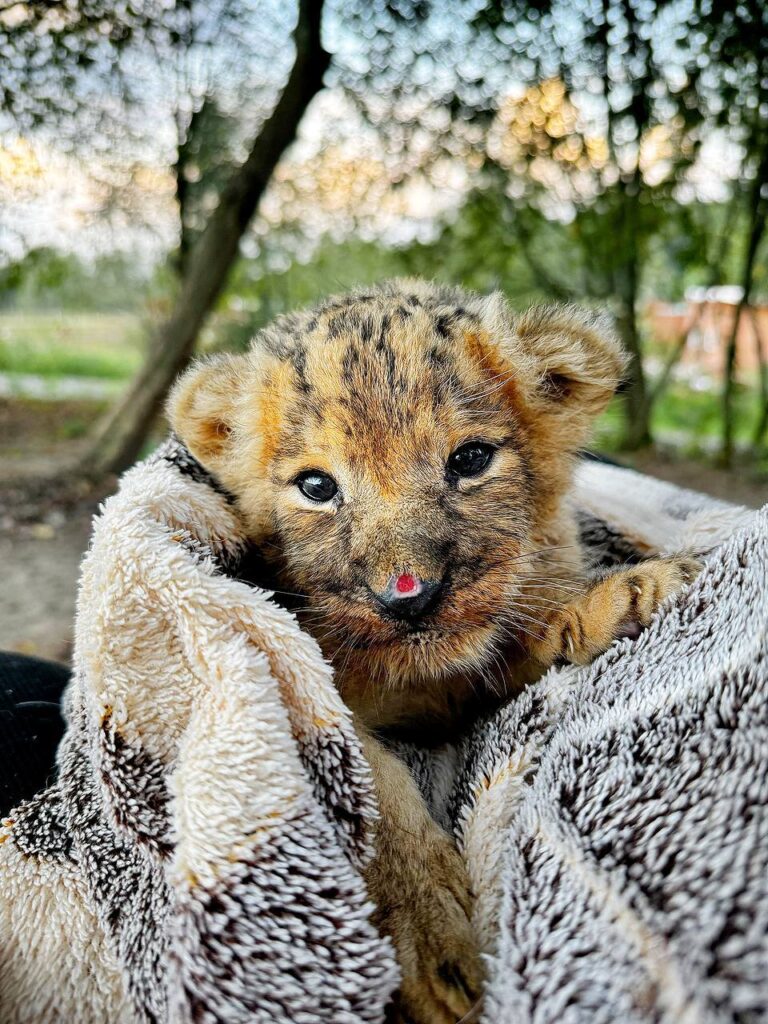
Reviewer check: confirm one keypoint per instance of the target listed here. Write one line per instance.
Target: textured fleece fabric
(199, 856)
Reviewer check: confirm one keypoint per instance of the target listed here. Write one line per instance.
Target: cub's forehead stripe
(373, 373)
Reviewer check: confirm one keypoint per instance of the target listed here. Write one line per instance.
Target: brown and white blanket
(198, 857)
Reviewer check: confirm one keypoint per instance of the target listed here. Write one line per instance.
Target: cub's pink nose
(406, 584)
(407, 596)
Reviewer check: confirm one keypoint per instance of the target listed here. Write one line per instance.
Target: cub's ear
(201, 406)
(576, 359)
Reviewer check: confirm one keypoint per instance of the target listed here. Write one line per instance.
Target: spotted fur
(377, 389)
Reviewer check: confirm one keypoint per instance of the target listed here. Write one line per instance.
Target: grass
(100, 345)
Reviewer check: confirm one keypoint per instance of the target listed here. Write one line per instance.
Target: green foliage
(575, 124)
(50, 279)
(686, 419)
(45, 55)
(255, 295)
(697, 413)
(478, 249)
(39, 272)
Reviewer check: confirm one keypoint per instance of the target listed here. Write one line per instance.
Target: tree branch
(118, 439)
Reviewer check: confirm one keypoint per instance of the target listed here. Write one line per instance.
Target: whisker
(548, 602)
(540, 552)
(466, 392)
(541, 583)
(550, 581)
(475, 393)
(522, 629)
(523, 613)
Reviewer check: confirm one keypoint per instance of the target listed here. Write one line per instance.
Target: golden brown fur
(377, 390)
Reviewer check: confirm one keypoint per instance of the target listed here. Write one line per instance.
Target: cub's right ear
(201, 406)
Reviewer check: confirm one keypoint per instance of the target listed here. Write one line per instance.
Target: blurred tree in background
(735, 38)
(196, 46)
(607, 152)
(607, 130)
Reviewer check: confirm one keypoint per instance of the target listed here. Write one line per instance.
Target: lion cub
(403, 457)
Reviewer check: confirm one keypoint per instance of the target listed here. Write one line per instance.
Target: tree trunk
(637, 431)
(729, 387)
(729, 381)
(119, 438)
(186, 135)
(761, 427)
(714, 276)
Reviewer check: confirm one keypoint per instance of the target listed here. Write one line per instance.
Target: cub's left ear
(576, 360)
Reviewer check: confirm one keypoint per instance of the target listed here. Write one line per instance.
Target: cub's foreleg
(420, 887)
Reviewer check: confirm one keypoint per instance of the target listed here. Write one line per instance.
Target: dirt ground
(37, 599)
(42, 543)
(737, 486)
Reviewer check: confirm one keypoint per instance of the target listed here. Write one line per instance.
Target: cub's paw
(619, 605)
(428, 917)
(648, 584)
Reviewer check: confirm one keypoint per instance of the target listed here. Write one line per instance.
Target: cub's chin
(435, 653)
(419, 658)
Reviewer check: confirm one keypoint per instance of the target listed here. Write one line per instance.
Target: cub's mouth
(427, 625)
(445, 618)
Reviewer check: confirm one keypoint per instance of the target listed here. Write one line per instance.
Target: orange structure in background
(706, 320)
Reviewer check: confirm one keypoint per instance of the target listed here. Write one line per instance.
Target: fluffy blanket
(198, 857)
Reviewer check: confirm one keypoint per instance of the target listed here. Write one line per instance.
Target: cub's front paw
(427, 911)
(619, 605)
(647, 585)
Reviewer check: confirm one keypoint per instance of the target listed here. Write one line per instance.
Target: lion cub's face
(404, 451)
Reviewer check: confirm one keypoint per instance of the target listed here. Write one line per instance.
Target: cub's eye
(317, 486)
(470, 459)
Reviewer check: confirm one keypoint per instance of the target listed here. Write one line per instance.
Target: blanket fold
(199, 856)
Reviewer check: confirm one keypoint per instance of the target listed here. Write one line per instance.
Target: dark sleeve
(30, 725)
